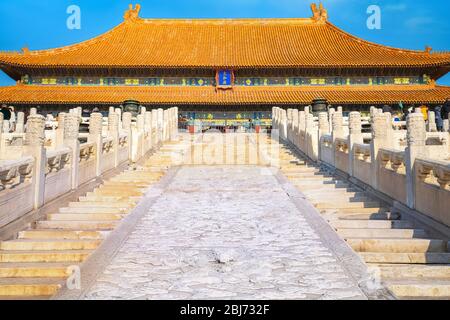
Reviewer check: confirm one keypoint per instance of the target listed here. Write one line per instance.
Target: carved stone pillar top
(113, 122)
(148, 120)
(337, 121)
(309, 120)
(379, 126)
(324, 125)
(354, 122)
(126, 121)
(35, 135)
(307, 109)
(33, 111)
(302, 119)
(61, 119)
(339, 109)
(111, 110)
(71, 126)
(96, 123)
(20, 118)
(416, 132)
(143, 110)
(1, 123)
(140, 122)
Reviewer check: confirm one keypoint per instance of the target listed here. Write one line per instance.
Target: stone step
(85, 216)
(420, 288)
(126, 187)
(371, 224)
(406, 258)
(62, 234)
(77, 225)
(118, 193)
(93, 210)
(90, 197)
(112, 183)
(381, 233)
(29, 286)
(101, 204)
(362, 210)
(368, 216)
(417, 272)
(397, 245)
(345, 205)
(74, 256)
(35, 270)
(48, 245)
(320, 194)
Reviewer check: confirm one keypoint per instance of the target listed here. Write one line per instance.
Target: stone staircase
(410, 259)
(37, 262)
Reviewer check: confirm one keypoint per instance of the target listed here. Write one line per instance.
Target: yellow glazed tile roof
(408, 94)
(224, 43)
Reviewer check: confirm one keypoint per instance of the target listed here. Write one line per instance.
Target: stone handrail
(393, 158)
(341, 145)
(87, 150)
(13, 172)
(327, 140)
(440, 169)
(107, 145)
(58, 159)
(362, 152)
(390, 164)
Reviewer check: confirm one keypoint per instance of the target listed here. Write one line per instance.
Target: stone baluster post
(20, 124)
(148, 129)
(175, 125)
(119, 113)
(288, 124)
(431, 126)
(113, 132)
(155, 137)
(60, 129)
(111, 110)
(165, 124)
(95, 135)
(160, 124)
(33, 111)
(354, 136)
(331, 112)
(34, 146)
(283, 124)
(126, 126)
(301, 130)
(274, 126)
(380, 138)
(416, 137)
(323, 129)
(71, 132)
(294, 127)
(312, 137)
(337, 131)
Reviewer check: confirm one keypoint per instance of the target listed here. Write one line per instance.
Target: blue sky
(41, 24)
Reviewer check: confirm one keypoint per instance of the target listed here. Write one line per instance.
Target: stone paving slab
(223, 232)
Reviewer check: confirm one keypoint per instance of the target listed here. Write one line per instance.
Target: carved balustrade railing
(362, 152)
(433, 172)
(58, 160)
(392, 159)
(15, 172)
(87, 151)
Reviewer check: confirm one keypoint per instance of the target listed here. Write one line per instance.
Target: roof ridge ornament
(319, 13)
(132, 14)
(428, 49)
(25, 50)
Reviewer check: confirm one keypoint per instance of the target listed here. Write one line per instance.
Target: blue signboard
(224, 78)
